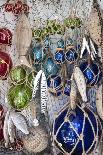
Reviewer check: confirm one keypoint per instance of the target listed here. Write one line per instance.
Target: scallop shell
(73, 95)
(94, 25)
(19, 121)
(81, 83)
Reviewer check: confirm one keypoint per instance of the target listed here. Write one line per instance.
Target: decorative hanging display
(55, 85)
(5, 65)
(67, 87)
(23, 38)
(1, 122)
(16, 8)
(5, 36)
(77, 133)
(71, 55)
(19, 96)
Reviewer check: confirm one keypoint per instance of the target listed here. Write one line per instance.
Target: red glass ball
(25, 8)
(17, 8)
(5, 65)
(5, 36)
(9, 7)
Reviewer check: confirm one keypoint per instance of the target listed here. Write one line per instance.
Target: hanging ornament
(71, 55)
(60, 54)
(36, 141)
(18, 75)
(23, 38)
(16, 8)
(94, 24)
(67, 87)
(77, 133)
(50, 67)
(5, 36)
(5, 65)
(92, 72)
(47, 42)
(55, 85)
(19, 96)
(31, 78)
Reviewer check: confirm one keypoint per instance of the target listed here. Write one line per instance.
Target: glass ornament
(60, 56)
(31, 78)
(50, 67)
(19, 96)
(55, 86)
(9, 7)
(38, 54)
(77, 132)
(5, 36)
(67, 87)
(5, 65)
(71, 55)
(72, 22)
(18, 75)
(92, 72)
(47, 42)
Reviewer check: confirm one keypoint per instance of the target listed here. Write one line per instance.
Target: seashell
(19, 121)
(36, 141)
(73, 95)
(5, 129)
(94, 25)
(11, 130)
(81, 83)
(23, 38)
(99, 101)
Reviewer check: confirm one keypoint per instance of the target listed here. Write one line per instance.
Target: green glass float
(31, 78)
(18, 75)
(19, 96)
(72, 22)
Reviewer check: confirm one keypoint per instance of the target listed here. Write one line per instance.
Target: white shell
(99, 101)
(19, 121)
(80, 81)
(5, 129)
(11, 130)
(73, 95)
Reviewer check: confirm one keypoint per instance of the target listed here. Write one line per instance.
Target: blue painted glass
(67, 137)
(69, 42)
(60, 56)
(47, 42)
(88, 135)
(79, 149)
(59, 120)
(54, 81)
(89, 75)
(67, 88)
(71, 55)
(92, 72)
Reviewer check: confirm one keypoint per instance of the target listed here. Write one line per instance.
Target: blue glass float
(77, 133)
(60, 56)
(60, 44)
(55, 86)
(92, 72)
(38, 54)
(71, 55)
(50, 67)
(69, 42)
(67, 88)
(47, 42)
